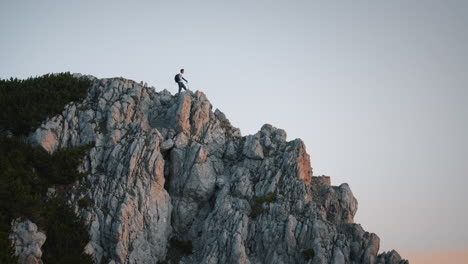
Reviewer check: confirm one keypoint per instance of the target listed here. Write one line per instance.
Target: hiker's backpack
(177, 78)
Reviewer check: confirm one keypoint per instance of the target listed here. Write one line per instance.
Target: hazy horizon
(376, 90)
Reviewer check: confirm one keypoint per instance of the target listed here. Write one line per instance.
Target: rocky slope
(169, 180)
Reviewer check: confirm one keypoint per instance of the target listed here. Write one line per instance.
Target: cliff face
(167, 171)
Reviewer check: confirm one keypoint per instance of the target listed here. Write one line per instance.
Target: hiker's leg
(180, 86)
(183, 86)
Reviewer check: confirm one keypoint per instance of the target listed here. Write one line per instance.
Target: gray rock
(27, 241)
(338, 257)
(167, 145)
(166, 166)
(252, 147)
(391, 257)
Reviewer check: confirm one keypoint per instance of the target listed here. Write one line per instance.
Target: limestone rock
(390, 257)
(27, 241)
(167, 145)
(252, 147)
(167, 166)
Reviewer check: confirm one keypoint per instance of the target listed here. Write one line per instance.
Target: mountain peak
(169, 179)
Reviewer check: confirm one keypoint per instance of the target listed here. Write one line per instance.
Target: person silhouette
(179, 78)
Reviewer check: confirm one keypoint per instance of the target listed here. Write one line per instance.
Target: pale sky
(376, 89)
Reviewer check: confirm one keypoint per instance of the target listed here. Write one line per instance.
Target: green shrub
(21, 187)
(308, 253)
(183, 246)
(61, 166)
(66, 235)
(25, 174)
(27, 103)
(270, 198)
(176, 250)
(84, 203)
(6, 248)
(257, 205)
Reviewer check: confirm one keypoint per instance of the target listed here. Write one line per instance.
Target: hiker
(178, 79)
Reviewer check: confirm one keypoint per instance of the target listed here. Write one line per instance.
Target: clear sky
(376, 89)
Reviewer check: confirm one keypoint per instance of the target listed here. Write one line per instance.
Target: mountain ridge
(170, 180)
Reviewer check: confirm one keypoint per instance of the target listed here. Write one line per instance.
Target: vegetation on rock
(308, 253)
(66, 235)
(84, 202)
(257, 206)
(176, 250)
(6, 248)
(26, 172)
(27, 103)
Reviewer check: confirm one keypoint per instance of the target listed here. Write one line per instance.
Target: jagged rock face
(27, 241)
(166, 165)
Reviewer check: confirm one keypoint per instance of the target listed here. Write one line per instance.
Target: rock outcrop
(27, 241)
(169, 168)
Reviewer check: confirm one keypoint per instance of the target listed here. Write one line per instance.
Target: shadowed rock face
(166, 166)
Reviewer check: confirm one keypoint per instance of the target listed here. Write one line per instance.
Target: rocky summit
(169, 180)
